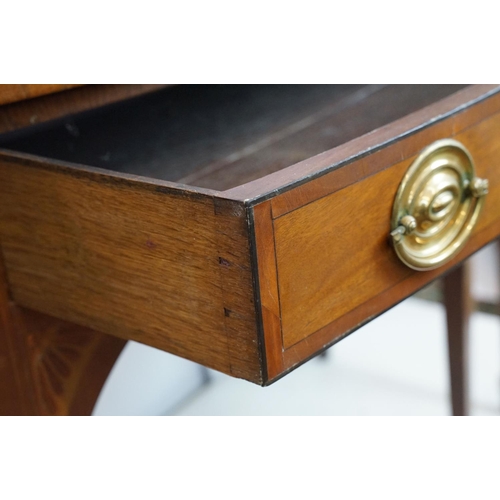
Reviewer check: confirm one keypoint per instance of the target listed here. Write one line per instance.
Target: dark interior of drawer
(221, 136)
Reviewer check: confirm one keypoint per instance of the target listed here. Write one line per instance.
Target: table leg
(457, 301)
(49, 366)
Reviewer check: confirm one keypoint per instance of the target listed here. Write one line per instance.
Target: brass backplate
(437, 206)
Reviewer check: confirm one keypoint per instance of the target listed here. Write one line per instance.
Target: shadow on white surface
(395, 365)
(146, 381)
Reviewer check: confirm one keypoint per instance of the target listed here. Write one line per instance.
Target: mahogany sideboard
(246, 228)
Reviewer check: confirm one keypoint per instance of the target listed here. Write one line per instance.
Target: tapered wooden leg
(457, 300)
(49, 366)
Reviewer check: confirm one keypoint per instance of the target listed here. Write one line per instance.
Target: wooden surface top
(21, 91)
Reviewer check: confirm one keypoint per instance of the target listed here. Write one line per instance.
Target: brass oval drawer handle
(437, 205)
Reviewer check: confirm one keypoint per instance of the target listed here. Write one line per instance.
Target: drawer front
(326, 265)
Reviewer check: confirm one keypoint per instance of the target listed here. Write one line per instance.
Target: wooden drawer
(176, 220)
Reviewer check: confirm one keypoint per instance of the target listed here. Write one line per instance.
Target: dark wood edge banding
(256, 292)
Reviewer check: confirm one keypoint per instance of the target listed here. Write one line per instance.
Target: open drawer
(243, 227)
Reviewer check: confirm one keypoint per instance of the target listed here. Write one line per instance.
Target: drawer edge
(137, 260)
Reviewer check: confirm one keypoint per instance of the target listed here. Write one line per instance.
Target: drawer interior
(221, 136)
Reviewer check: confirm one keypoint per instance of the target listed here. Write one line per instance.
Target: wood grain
(43, 108)
(336, 269)
(268, 285)
(136, 260)
(49, 366)
(20, 92)
(350, 322)
(333, 255)
(66, 364)
(16, 397)
(235, 267)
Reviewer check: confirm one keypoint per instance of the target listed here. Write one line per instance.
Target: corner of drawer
(235, 261)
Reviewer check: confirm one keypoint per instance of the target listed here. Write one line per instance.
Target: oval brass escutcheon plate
(437, 205)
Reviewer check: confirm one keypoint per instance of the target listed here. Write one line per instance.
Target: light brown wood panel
(20, 92)
(333, 255)
(268, 286)
(377, 304)
(128, 258)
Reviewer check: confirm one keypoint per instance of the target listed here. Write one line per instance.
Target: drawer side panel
(126, 258)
